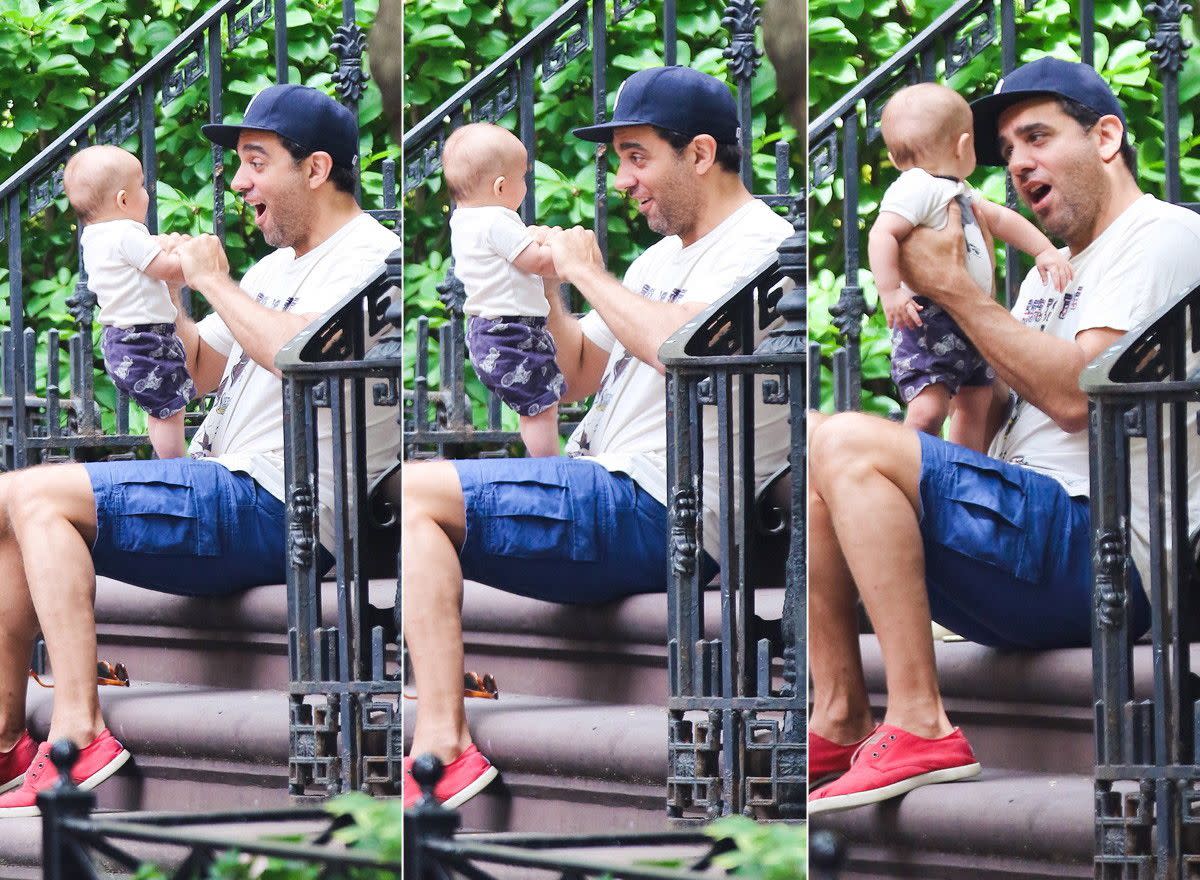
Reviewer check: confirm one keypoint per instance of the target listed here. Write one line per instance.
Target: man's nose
(625, 179)
(240, 184)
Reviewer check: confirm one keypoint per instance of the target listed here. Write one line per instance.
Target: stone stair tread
(1037, 817)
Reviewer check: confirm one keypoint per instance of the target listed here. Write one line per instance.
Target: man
(592, 526)
(997, 548)
(214, 523)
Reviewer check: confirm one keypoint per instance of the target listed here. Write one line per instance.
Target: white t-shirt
(115, 255)
(244, 428)
(1143, 259)
(626, 428)
(922, 200)
(484, 242)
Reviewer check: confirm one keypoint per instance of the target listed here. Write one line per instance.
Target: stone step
(1002, 825)
(569, 765)
(611, 653)
(231, 642)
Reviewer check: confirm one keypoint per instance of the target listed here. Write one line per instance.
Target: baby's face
(514, 189)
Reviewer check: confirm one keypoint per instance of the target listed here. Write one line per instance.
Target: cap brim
(602, 133)
(223, 135)
(986, 111)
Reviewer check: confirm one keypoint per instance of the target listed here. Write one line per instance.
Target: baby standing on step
(499, 261)
(128, 270)
(929, 133)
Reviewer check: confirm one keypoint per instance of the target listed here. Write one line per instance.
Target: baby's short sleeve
(507, 236)
(137, 246)
(916, 196)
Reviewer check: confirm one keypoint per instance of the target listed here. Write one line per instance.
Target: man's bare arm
(1042, 369)
(261, 331)
(582, 361)
(641, 325)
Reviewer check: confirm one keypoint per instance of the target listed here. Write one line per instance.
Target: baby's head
(929, 126)
(106, 183)
(485, 165)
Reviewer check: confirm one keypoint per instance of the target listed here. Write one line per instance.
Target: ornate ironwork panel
(742, 19)
(967, 45)
(185, 74)
(122, 125)
(568, 46)
(499, 101)
(424, 165)
(45, 190)
(622, 8)
(251, 18)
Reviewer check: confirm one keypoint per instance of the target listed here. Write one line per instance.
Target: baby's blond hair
(924, 121)
(476, 154)
(94, 175)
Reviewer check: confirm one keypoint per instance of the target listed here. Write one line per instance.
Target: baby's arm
(883, 251)
(1007, 225)
(166, 266)
(535, 259)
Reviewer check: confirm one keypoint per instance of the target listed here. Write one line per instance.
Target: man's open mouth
(1037, 194)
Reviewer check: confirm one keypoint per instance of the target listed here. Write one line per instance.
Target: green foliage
(67, 56)
(376, 829)
(447, 42)
(764, 850)
(849, 40)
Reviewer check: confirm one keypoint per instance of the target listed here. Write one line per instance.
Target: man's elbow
(1072, 416)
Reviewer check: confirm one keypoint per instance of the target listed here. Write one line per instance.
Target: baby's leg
(928, 409)
(968, 422)
(540, 433)
(166, 436)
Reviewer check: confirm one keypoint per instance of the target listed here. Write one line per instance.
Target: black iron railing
(1143, 393)
(59, 422)
(736, 715)
(433, 852)
(440, 421)
(72, 836)
(345, 722)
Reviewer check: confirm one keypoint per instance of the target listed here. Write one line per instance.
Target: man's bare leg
(18, 627)
(840, 709)
(866, 471)
(434, 528)
(53, 516)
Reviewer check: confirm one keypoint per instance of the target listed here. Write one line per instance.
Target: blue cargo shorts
(1008, 553)
(562, 529)
(186, 526)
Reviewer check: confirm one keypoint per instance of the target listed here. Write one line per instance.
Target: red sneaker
(16, 761)
(891, 762)
(828, 760)
(463, 778)
(102, 757)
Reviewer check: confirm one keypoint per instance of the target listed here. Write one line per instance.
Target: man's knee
(431, 491)
(36, 495)
(849, 446)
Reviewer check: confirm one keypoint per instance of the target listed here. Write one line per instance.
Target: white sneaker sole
(86, 785)
(861, 798)
(471, 790)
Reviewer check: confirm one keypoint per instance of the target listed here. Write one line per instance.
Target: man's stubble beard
(1083, 190)
(676, 205)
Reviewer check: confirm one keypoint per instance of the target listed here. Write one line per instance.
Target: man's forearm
(1042, 369)
(642, 325)
(261, 331)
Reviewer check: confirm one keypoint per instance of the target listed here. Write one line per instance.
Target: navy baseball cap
(299, 113)
(677, 98)
(1046, 76)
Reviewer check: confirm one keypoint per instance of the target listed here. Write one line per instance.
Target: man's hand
(203, 259)
(575, 250)
(933, 263)
(170, 241)
(540, 234)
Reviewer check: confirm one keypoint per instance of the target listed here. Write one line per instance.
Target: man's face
(1055, 166)
(270, 181)
(660, 181)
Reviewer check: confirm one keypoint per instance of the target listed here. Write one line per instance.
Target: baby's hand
(1054, 267)
(539, 234)
(170, 241)
(900, 309)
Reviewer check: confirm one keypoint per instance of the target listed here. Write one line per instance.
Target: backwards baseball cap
(677, 98)
(299, 113)
(1046, 76)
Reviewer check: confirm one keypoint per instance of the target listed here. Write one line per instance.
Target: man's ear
(704, 151)
(1109, 133)
(320, 164)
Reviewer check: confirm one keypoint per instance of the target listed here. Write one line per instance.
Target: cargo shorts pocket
(162, 518)
(528, 519)
(983, 517)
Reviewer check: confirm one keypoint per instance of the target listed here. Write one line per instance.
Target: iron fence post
(60, 860)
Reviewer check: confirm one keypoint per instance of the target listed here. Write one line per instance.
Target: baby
(929, 135)
(128, 270)
(499, 260)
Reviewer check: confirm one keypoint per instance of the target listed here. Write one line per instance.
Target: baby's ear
(966, 145)
(891, 158)
(121, 198)
(498, 185)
